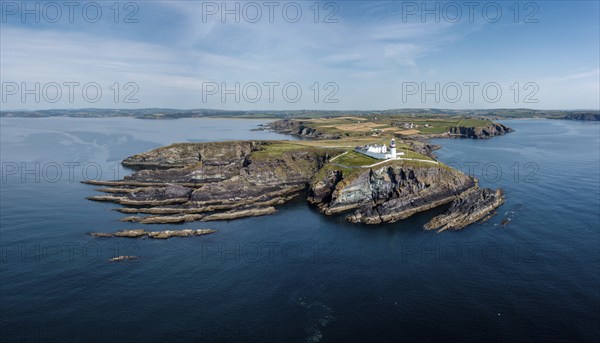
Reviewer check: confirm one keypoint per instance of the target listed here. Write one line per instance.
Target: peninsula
(370, 170)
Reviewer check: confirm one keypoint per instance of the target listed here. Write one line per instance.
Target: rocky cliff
(494, 129)
(228, 180)
(471, 206)
(299, 128)
(388, 193)
(196, 181)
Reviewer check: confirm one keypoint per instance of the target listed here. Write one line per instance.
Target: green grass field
(354, 159)
(361, 127)
(277, 149)
(413, 154)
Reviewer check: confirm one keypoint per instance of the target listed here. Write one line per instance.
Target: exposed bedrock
(299, 128)
(140, 233)
(241, 213)
(389, 193)
(168, 194)
(423, 148)
(185, 154)
(123, 258)
(224, 181)
(494, 129)
(471, 206)
(321, 190)
(225, 176)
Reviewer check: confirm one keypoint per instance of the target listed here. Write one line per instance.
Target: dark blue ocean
(298, 276)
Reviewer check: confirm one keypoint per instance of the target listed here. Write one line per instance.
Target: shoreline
(238, 179)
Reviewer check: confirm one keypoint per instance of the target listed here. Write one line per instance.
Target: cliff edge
(229, 180)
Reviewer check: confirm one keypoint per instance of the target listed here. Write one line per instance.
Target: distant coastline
(168, 113)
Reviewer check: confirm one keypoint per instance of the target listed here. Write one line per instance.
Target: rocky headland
(310, 129)
(211, 181)
(189, 182)
(388, 193)
(299, 128)
(493, 129)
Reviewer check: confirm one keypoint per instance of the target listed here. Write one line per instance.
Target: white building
(380, 151)
(393, 153)
(377, 149)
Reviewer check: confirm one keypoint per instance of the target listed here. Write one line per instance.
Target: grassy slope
(276, 149)
(354, 159)
(364, 126)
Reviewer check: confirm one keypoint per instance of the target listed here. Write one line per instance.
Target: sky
(271, 55)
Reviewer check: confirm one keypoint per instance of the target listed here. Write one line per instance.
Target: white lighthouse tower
(393, 148)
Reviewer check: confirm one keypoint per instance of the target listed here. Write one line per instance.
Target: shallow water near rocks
(298, 276)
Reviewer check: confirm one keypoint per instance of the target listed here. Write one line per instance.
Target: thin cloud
(575, 76)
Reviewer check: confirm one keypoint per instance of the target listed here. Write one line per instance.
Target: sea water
(530, 273)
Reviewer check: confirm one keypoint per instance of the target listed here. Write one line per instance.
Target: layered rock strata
(189, 182)
(211, 181)
(388, 193)
(141, 233)
(476, 204)
(494, 129)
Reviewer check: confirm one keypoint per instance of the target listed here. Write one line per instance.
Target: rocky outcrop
(390, 193)
(273, 199)
(471, 206)
(181, 155)
(494, 129)
(224, 181)
(123, 258)
(321, 191)
(180, 218)
(179, 233)
(126, 200)
(298, 128)
(139, 233)
(235, 214)
(212, 181)
(423, 147)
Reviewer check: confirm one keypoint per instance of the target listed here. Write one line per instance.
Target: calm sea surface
(298, 276)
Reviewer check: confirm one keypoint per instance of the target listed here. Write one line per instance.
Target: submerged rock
(100, 234)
